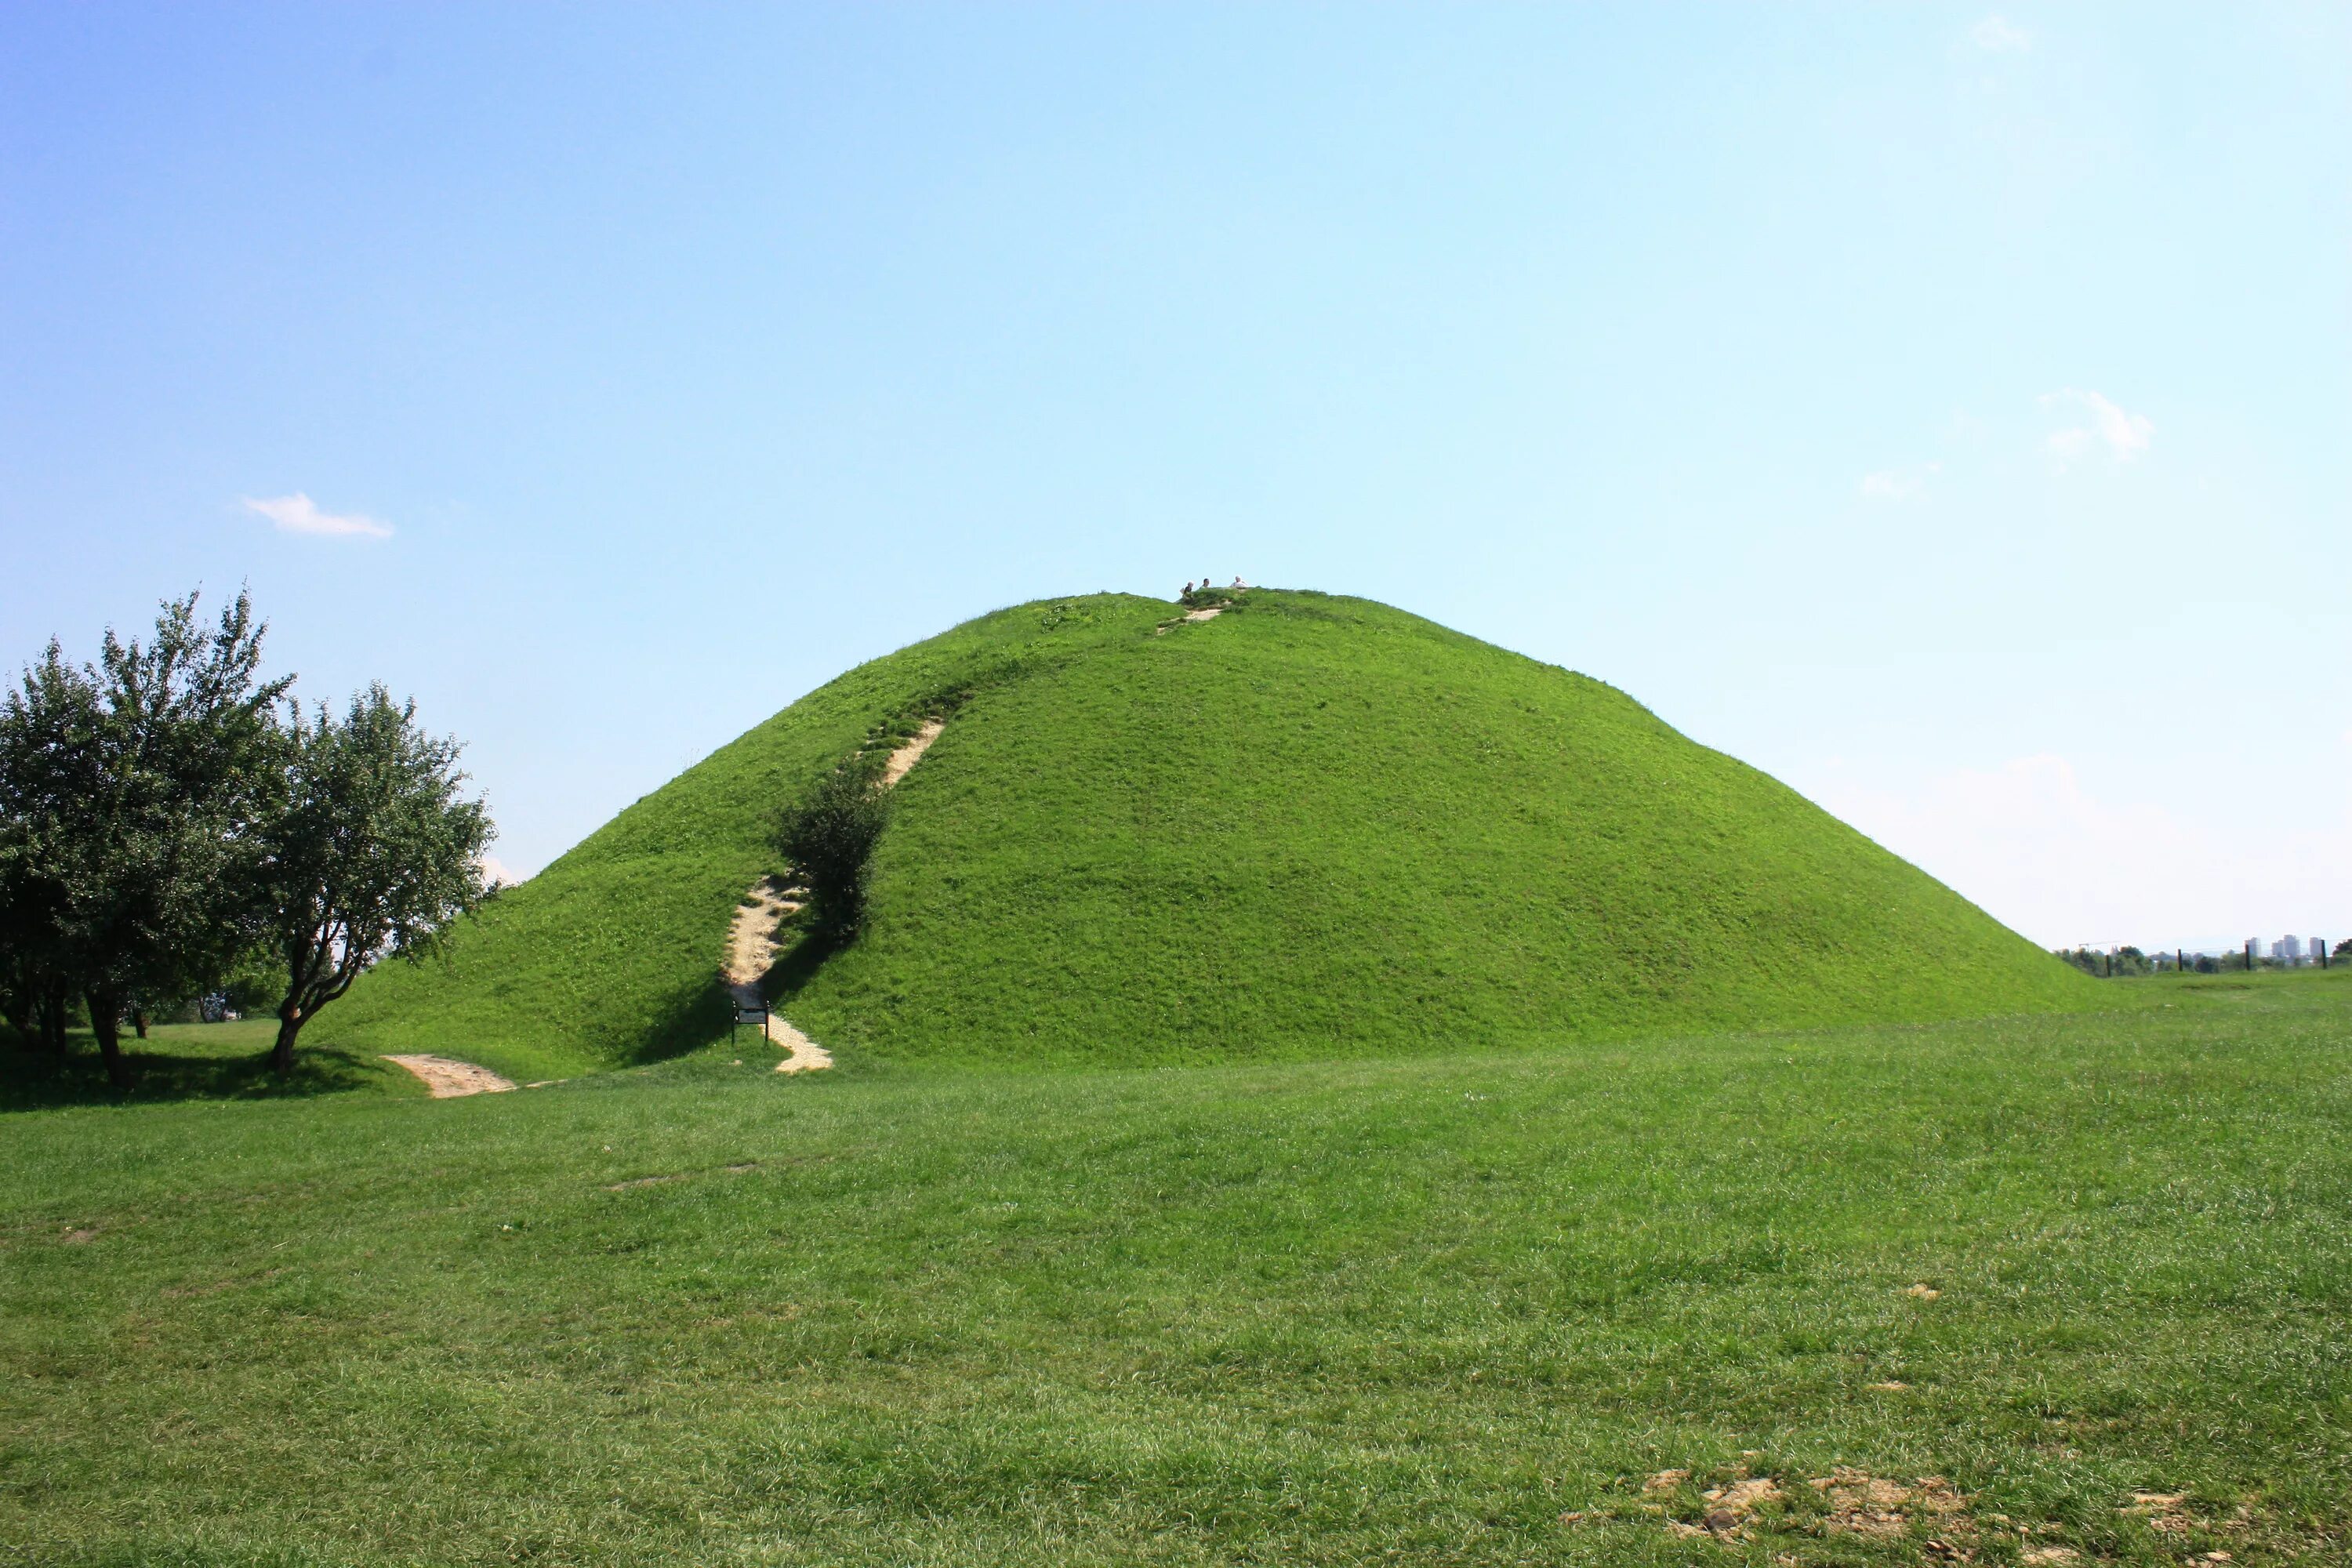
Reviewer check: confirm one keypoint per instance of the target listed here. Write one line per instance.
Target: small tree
(828, 838)
(372, 854)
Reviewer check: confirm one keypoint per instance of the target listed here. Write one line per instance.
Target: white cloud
(1996, 34)
(494, 870)
(1899, 484)
(2127, 435)
(297, 513)
(2042, 853)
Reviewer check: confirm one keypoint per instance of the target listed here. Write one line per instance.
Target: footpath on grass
(446, 1078)
(751, 943)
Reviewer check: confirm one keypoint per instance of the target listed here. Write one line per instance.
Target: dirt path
(1205, 613)
(751, 953)
(903, 760)
(751, 942)
(447, 1078)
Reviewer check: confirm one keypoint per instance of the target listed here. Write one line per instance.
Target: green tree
(48, 757)
(137, 786)
(371, 852)
(829, 837)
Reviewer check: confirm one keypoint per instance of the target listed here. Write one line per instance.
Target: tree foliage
(160, 823)
(829, 835)
(133, 788)
(373, 853)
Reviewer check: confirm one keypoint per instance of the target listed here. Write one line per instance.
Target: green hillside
(1310, 827)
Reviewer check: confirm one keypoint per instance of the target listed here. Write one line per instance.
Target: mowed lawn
(1410, 1311)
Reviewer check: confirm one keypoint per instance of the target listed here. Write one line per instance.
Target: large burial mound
(1308, 825)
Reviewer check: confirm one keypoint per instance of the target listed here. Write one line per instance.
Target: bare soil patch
(1878, 1508)
(447, 1078)
(903, 760)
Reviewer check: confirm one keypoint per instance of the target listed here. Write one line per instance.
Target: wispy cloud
(1997, 35)
(297, 513)
(2127, 435)
(1899, 484)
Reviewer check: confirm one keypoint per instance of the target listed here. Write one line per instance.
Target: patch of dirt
(447, 1078)
(1889, 1386)
(78, 1235)
(1729, 1507)
(752, 941)
(1922, 1292)
(751, 952)
(2048, 1556)
(1878, 1508)
(2167, 1513)
(903, 760)
(1193, 617)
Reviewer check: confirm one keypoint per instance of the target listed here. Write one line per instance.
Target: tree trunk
(53, 1019)
(139, 1021)
(291, 1020)
(106, 1023)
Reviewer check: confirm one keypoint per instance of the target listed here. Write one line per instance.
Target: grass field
(1365, 1311)
(1313, 827)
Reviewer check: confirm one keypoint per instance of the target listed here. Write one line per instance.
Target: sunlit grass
(1364, 1311)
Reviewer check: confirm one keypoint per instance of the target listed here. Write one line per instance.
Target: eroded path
(751, 952)
(751, 942)
(448, 1078)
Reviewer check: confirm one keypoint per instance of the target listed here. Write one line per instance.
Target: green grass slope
(610, 955)
(1311, 827)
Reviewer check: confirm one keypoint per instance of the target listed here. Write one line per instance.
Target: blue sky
(1947, 409)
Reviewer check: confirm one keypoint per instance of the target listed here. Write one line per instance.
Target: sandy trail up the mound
(752, 942)
(447, 1078)
(750, 951)
(903, 760)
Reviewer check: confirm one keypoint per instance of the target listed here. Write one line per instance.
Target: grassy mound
(1310, 827)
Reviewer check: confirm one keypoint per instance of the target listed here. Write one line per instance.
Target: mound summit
(1311, 825)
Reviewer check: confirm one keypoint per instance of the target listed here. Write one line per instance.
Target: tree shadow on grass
(39, 1080)
(692, 1017)
(798, 964)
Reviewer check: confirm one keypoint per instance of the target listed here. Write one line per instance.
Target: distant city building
(2291, 949)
